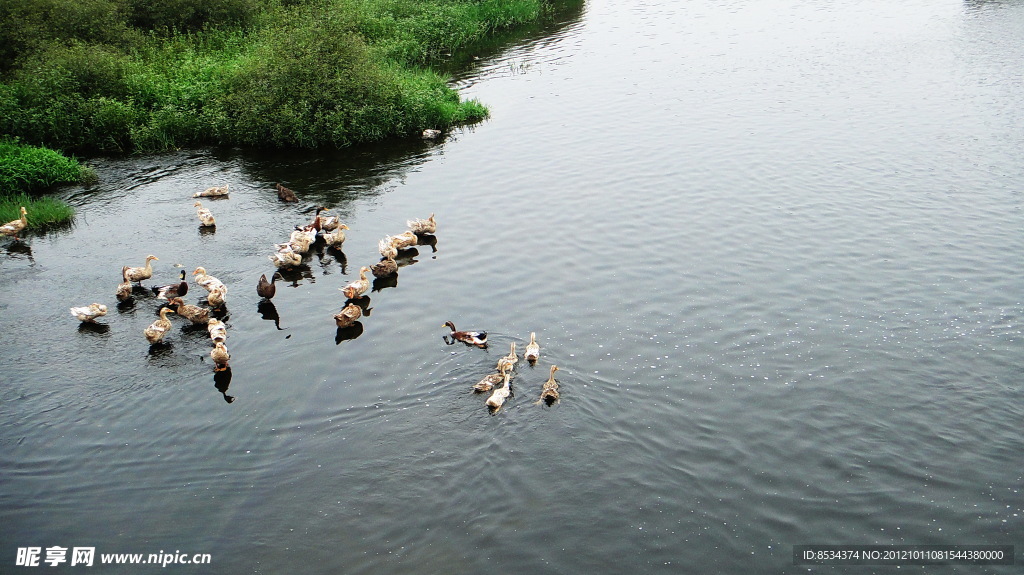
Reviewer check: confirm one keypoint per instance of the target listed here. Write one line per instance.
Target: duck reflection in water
(297, 273)
(222, 380)
(407, 257)
(427, 240)
(268, 311)
(93, 327)
(160, 349)
(346, 333)
(340, 257)
(386, 282)
(20, 250)
(327, 255)
(363, 302)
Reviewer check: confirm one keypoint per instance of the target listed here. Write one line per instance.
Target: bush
(30, 26)
(284, 73)
(167, 16)
(28, 168)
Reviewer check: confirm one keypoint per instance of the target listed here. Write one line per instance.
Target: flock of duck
(331, 231)
(499, 383)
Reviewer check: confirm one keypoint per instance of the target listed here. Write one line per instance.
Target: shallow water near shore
(773, 248)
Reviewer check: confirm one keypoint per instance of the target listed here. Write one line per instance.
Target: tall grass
(29, 168)
(25, 169)
(136, 76)
(41, 211)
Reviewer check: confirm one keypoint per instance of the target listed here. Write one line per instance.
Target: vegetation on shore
(42, 211)
(131, 75)
(26, 169)
(30, 168)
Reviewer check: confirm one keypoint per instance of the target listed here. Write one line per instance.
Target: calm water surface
(774, 248)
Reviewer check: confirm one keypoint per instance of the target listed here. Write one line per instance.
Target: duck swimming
(214, 192)
(220, 356)
(427, 226)
(549, 393)
(171, 290)
(193, 313)
(384, 268)
(498, 397)
(217, 330)
(532, 353)
(489, 381)
(90, 312)
(507, 362)
(477, 338)
(204, 214)
(267, 289)
(348, 315)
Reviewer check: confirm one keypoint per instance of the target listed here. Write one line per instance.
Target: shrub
(29, 168)
(168, 16)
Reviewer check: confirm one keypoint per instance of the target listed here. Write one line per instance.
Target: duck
(193, 313)
(387, 248)
(14, 227)
(139, 274)
(205, 280)
(172, 290)
(384, 268)
(430, 134)
(532, 353)
(267, 289)
(217, 330)
(336, 237)
(549, 393)
(286, 258)
(359, 286)
(158, 329)
(204, 214)
(285, 195)
(489, 381)
(300, 240)
(90, 312)
(220, 356)
(404, 240)
(329, 223)
(348, 315)
(498, 397)
(217, 296)
(507, 362)
(124, 289)
(477, 338)
(427, 226)
(214, 192)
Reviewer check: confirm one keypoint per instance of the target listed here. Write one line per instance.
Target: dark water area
(773, 247)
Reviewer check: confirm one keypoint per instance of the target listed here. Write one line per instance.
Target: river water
(773, 247)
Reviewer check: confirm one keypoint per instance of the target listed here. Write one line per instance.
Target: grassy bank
(42, 211)
(30, 168)
(25, 169)
(127, 75)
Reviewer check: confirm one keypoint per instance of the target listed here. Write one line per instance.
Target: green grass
(25, 169)
(41, 211)
(30, 168)
(122, 75)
